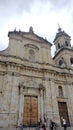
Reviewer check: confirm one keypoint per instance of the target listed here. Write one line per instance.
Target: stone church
(33, 84)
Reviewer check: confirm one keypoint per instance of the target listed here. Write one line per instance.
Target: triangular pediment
(29, 35)
(33, 37)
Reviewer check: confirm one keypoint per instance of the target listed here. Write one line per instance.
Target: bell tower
(64, 52)
(61, 40)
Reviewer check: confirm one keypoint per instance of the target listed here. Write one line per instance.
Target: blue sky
(43, 15)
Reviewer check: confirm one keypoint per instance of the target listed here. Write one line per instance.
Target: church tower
(64, 52)
(62, 39)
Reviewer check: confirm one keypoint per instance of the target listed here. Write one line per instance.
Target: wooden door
(30, 116)
(63, 111)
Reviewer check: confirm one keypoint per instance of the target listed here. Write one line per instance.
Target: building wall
(21, 75)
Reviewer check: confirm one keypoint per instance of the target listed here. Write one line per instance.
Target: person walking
(43, 127)
(51, 125)
(64, 123)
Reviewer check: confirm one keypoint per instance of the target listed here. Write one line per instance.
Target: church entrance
(30, 116)
(63, 111)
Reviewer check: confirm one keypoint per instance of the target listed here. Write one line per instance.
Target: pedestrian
(64, 123)
(45, 121)
(51, 125)
(43, 127)
(40, 124)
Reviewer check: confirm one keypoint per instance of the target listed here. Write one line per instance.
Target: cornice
(45, 68)
(62, 50)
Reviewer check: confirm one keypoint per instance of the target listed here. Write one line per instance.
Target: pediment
(29, 35)
(33, 37)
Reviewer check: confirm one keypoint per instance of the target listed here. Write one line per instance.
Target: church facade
(33, 85)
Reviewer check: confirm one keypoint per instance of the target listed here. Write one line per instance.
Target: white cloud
(43, 15)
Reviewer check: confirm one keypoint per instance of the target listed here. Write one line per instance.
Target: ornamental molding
(31, 46)
(31, 83)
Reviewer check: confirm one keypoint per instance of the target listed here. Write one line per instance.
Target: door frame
(30, 109)
(63, 111)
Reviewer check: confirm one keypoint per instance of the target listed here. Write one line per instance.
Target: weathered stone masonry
(34, 85)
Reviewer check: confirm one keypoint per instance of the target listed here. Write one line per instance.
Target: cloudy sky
(43, 15)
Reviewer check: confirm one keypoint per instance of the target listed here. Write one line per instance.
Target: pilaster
(21, 106)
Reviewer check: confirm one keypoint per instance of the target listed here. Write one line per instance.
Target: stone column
(55, 112)
(51, 101)
(39, 108)
(21, 106)
(48, 99)
(41, 103)
(69, 95)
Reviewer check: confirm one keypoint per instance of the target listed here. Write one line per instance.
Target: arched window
(66, 43)
(71, 61)
(61, 61)
(60, 91)
(31, 55)
(58, 45)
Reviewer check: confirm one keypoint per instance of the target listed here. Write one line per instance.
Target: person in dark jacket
(51, 125)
